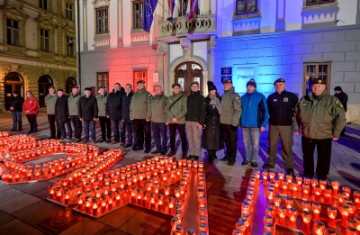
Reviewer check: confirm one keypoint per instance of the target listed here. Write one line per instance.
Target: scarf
(215, 103)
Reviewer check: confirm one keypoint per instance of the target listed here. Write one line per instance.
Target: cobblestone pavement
(19, 203)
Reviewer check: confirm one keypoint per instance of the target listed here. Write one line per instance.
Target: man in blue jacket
(253, 121)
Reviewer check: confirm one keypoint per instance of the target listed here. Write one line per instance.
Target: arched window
(13, 82)
(44, 83)
(70, 83)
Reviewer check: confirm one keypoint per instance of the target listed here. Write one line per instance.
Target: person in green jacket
(105, 123)
(158, 119)
(321, 118)
(176, 110)
(50, 101)
(229, 120)
(140, 113)
(73, 104)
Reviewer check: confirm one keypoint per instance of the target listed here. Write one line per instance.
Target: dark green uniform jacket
(230, 108)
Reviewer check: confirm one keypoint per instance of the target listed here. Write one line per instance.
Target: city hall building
(37, 47)
(187, 40)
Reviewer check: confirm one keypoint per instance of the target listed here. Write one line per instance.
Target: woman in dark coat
(212, 135)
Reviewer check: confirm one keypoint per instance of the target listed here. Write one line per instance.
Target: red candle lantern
(319, 228)
(292, 216)
(282, 214)
(357, 220)
(306, 217)
(351, 230)
(344, 211)
(335, 185)
(316, 208)
(329, 231)
(346, 191)
(332, 214)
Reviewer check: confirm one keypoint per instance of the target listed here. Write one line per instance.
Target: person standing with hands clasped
(88, 112)
(31, 109)
(16, 110)
(320, 117)
(62, 114)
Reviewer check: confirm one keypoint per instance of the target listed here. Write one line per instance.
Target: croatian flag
(149, 10)
(173, 9)
(191, 9)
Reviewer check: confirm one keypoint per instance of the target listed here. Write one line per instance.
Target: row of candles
(4, 134)
(281, 204)
(15, 140)
(151, 183)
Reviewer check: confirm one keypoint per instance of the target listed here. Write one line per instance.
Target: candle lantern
(236, 232)
(240, 225)
(344, 211)
(351, 230)
(316, 207)
(346, 191)
(329, 231)
(282, 214)
(245, 208)
(306, 205)
(269, 227)
(319, 228)
(293, 216)
(357, 220)
(306, 217)
(335, 185)
(289, 202)
(332, 214)
(269, 211)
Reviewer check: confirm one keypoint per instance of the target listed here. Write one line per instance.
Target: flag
(176, 9)
(149, 9)
(191, 9)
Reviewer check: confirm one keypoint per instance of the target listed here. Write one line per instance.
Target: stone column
(162, 53)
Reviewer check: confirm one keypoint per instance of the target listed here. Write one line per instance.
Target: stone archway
(45, 81)
(13, 82)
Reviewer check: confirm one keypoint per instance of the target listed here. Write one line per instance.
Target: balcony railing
(318, 2)
(182, 26)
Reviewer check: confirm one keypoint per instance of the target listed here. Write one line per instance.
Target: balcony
(200, 26)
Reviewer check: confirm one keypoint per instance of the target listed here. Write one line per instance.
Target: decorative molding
(139, 36)
(101, 3)
(241, 24)
(319, 14)
(102, 40)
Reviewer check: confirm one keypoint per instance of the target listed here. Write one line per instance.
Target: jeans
(17, 121)
(193, 135)
(251, 137)
(157, 130)
(126, 128)
(115, 125)
(90, 124)
(182, 133)
(77, 126)
(105, 128)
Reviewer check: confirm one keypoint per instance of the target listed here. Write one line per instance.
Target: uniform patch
(275, 100)
(285, 99)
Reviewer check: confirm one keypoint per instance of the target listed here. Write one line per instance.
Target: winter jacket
(176, 107)
(113, 105)
(73, 103)
(254, 110)
(230, 108)
(62, 109)
(321, 117)
(281, 108)
(101, 103)
(125, 107)
(196, 108)
(140, 107)
(31, 105)
(16, 103)
(158, 108)
(50, 101)
(88, 108)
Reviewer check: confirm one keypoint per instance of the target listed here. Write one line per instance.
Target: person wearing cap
(176, 110)
(73, 104)
(62, 115)
(158, 119)
(16, 103)
(253, 121)
(140, 113)
(88, 112)
(229, 120)
(50, 100)
(105, 124)
(212, 139)
(194, 120)
(113, 111)
(320, 117)
(281, 105)
(126, 128)
(343, 97)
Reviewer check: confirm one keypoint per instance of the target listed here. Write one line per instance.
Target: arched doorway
(13, 81)
(45, 82)
(186, 73)
(70, 83)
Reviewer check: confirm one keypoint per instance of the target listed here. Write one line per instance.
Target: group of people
(211, 122)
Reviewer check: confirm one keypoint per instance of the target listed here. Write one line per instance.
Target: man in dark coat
(126, 124)
(113, 110)
(343, 97)
(16, 111)
(88, 112)
(62, 114)
(212, 139)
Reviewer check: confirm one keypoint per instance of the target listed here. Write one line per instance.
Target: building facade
(218, 39)
(37, 47)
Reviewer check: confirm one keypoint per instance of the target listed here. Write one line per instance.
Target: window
(246, 7)
(44, 40)
(12, 32)
(69, 11)
(138, 8)
(102, 20)
(44, 4)
(70, 47)
(316, 70)
(102, 80)
(183, 7)
(318, 2)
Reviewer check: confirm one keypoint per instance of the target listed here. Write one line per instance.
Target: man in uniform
(175, 112)
(281, 106)
(194, 120)
(50, 101)
(343, 97)
(321, 118)
(229, 120)
(73, 103)
(158, 119)
(113, 110)
(105, 123)
(140, 111)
